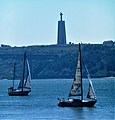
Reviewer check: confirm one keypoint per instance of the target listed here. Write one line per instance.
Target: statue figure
(61, 16)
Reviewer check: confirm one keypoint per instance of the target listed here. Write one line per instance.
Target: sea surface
(42, 103)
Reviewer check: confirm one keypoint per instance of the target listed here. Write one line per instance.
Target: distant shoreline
(58, 61)
(65, 78)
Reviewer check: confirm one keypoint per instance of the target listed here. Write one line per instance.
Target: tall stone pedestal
(61, 38)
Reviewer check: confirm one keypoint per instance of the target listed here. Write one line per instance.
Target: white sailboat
(77, 89)
(24, 84)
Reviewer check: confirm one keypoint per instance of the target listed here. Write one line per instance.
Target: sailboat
(75, 97)
(24, 84)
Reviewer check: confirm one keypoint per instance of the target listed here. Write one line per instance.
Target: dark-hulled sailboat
(24, 84)
(77, 89)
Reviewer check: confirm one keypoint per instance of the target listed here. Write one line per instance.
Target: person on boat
(11, 88)
(59, 99)
(63, 99)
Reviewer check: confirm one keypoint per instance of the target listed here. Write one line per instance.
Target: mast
(14, 74)
(81, 72)
(23, 70)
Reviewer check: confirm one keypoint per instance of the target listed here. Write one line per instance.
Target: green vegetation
(58, 61)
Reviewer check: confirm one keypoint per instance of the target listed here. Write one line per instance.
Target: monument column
(61, 38)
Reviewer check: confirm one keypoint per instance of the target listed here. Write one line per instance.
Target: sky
(34, 22)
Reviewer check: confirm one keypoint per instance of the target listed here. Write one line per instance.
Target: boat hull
(77, 103)
(18, 93)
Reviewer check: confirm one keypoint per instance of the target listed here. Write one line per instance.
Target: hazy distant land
(52, 61)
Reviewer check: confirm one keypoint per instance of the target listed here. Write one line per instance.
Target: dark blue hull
(14, 92)
(77, 103)
(18, 93)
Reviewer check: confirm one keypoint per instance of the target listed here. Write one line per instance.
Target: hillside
(58, 61)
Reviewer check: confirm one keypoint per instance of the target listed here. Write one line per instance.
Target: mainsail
(76, 89)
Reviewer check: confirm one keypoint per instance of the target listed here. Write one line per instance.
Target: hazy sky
(34, 22)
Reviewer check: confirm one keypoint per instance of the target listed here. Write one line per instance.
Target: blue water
(41, 104)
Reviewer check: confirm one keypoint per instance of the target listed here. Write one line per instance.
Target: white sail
(91, 92)
(76, 89)
(28, 78)
(20, 84)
